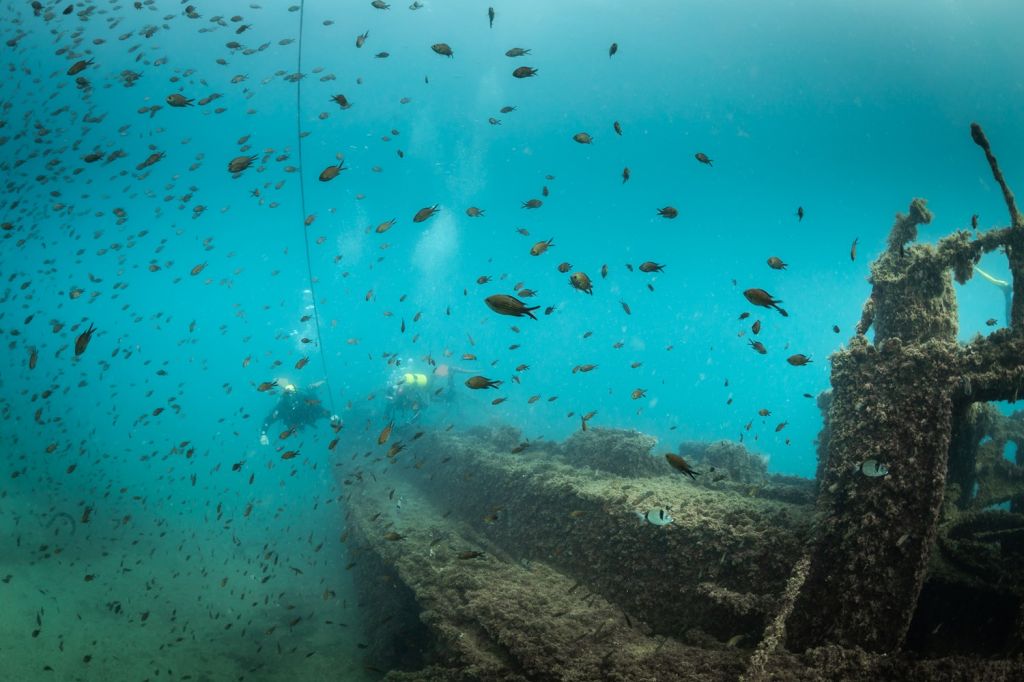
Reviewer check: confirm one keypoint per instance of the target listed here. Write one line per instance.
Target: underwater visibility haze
(511, 341)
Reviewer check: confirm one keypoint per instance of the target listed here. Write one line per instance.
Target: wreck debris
(899, 401)
(542, 593)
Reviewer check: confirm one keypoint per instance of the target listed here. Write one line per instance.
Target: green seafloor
(207, 203)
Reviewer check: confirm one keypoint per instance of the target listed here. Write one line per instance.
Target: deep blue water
(848, 109)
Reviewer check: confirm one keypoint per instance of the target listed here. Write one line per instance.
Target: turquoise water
(847, 109)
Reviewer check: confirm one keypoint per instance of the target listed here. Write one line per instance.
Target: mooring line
(302, 199)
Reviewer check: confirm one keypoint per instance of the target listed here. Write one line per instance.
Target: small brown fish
(504, 304)
(424, 213)
(762, 298)
(798, 360)
(442, 49)
(681, 465)
(478, 382)
(524, 72)
(758, 346)
(853, 249)
(385, 433)
(775, 263)
(583, 138)
(581, 282)
(82, 342)
(638, 393)
(668, 212)
(240, 163)
(178, 100)
(651, 266)
(78, 67)
(331, 172)
(703, 158)
(625, 175)
(540, 247)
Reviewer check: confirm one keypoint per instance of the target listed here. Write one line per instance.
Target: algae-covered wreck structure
(904, 559)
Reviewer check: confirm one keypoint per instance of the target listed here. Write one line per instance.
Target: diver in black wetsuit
(295, 410)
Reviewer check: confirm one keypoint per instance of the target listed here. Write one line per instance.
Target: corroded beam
(892, 405)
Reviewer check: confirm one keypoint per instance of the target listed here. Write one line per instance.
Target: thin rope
(302, 198)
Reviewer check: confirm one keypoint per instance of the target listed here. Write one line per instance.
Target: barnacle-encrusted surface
(627, 453)
(588, 524)
(727, 457)
(905, 400)
(572, 586)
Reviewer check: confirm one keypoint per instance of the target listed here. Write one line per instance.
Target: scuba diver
(1004, 286)
(411, 392)
(295, 410)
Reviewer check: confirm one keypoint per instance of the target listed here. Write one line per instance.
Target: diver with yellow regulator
(410, 392)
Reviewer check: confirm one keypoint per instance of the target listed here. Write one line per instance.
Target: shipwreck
(539, 563)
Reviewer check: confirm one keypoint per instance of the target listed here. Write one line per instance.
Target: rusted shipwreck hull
(537, 564)
(572, 585)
